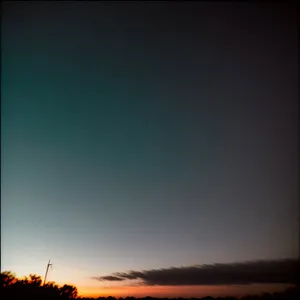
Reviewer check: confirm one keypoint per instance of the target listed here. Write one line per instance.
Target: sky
(147, 135)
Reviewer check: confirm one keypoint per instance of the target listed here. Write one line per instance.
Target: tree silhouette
(7, 278)
(68, 291)
(31, 287)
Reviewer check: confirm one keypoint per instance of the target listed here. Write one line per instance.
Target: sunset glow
(181, 291)
(149, 148)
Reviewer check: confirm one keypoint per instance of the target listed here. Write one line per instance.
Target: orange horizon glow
(88, 288)
(177, 291)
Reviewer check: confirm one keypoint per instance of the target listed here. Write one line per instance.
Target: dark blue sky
(147, 135)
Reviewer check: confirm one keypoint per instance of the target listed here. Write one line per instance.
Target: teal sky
(139, 136)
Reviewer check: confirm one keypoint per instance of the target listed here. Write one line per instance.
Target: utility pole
(48, 265)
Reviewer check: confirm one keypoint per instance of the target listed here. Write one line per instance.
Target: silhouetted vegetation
(32, 287)
(290, 294)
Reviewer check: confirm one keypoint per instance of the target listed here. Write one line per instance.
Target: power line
(47, 269)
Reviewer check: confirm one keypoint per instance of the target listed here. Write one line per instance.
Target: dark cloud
(278, 271)
(108, 278)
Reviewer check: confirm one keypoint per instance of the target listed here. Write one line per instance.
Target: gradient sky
(146, 135)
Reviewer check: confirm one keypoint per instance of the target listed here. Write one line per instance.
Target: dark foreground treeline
(290, 294)
(31, 287)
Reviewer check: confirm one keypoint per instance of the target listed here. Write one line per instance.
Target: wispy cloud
(274, 271)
